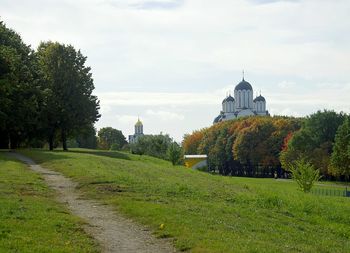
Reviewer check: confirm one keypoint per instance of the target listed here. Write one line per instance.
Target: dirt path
(114, 232)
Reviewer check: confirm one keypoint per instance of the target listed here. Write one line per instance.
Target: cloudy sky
(172, 61)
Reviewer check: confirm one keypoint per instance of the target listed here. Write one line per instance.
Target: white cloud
(157, 98)
(176, 58)
(284, 112)
(165, 115)
(288, 93)
(126, 119)
(286, 84)
(105, 108)
(145, 4)
(278, 38)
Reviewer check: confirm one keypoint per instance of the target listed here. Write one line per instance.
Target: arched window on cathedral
(243, 98)
(250, 98)
(239, 99)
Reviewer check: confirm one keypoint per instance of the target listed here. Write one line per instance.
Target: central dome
(243, 85)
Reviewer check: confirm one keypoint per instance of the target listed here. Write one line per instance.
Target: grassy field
(30, 221)
(208, 213)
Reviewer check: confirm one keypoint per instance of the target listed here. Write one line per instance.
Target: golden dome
(138, 123)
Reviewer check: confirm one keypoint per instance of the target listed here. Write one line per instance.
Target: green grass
(30, 221)
(208, 213)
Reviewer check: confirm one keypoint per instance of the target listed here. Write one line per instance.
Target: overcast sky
(172, 61)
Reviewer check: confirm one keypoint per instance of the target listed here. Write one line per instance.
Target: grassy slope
(30, 221)
(207, 213)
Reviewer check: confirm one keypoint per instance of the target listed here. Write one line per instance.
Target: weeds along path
(114, 232)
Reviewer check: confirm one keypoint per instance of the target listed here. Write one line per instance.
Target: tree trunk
(51, 142)
(7, 143)
(13, 141)
(64, 139)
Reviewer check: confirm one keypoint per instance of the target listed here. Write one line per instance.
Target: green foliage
(72, 143)
(340, 160)
(20, 95)
(87, 137)
(204, 212)
(174, 153)
(68, 85)
(43, 95)
(115, 146)
(314, 140)
(153, 145)
(305, 174)
(30, 220)
(110, 138)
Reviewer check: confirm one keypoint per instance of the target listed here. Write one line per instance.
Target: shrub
(305, 174)
(174, 153)
(152, 145)
(115, 146)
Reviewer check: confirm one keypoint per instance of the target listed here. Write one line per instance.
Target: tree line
(260, 146)
(324, 141)
(160, 146)
(243, 147)
(45, 94)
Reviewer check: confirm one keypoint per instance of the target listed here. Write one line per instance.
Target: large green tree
(340, 160)
(19, 89)
(109, 136)
(314, 141)
(87, 138)
(69, 105)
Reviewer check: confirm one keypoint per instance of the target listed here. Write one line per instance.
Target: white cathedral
(242, 104)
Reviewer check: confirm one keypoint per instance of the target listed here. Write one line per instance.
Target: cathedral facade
(242, 104)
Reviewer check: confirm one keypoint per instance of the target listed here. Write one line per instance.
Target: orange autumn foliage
(251, 140)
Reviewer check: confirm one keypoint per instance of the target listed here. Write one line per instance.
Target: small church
(242, 104)
(138, 132)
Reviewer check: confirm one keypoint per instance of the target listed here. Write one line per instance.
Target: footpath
(113, 232)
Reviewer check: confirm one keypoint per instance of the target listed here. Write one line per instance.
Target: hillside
(207, 213)
(30, 220)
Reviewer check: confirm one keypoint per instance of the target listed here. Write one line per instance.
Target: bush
(203, 169)
(72, 143)
(152, 145)
(115, 146)
(174, 153)
(305, 174)
(126, 147)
